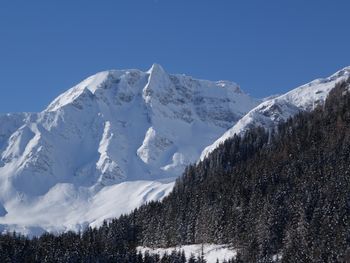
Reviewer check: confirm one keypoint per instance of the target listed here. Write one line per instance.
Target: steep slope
(283, 195)
(64, 166)
(274, 111)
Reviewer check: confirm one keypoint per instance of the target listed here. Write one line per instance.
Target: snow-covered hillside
(211, 253)
(107, 145)
(278, 109)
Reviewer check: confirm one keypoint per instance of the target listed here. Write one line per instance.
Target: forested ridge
(283, 192)
(268, 193)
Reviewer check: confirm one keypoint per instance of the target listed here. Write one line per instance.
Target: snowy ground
(211, 252)
(66, 207)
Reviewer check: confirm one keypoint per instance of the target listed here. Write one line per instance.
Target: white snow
(67, 207)
(211, 252)
(107, 145)
(278, 109)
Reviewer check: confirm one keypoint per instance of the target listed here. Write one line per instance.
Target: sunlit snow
(109, 144)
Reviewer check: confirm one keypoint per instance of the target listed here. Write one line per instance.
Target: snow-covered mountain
(278, 109)
(119, 139)
(114, 141)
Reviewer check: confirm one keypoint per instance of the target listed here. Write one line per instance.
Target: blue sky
(267, 47)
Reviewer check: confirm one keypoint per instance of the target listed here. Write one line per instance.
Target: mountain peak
(115, 129)
(156, 68)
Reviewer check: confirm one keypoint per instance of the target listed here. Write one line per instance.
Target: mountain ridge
(278, 109)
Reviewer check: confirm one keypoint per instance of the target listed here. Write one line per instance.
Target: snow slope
(278, 109)
(68, 207)
(211, 252)
(109, 144)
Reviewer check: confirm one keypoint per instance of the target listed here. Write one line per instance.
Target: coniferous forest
(284, 192)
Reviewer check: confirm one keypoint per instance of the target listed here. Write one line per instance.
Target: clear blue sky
(268, 47)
